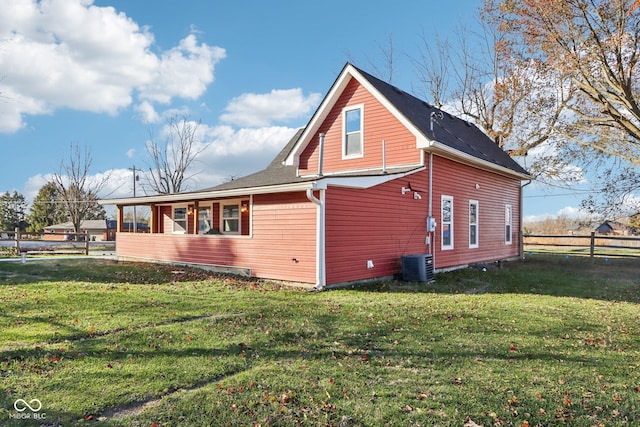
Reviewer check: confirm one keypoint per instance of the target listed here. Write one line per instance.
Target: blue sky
(101, 74)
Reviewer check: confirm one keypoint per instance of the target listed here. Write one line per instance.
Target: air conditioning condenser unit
(417, 268)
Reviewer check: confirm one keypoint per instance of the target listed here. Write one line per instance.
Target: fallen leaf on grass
(470, 423)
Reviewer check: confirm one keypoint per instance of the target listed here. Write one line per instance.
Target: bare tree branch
(78, 193)
(171, 161)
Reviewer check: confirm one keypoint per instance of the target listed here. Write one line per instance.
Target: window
(473, 223)
(231, 218)
(352, 125)
(507, 224)
(180, 220)
(447, 222)
(204, 220)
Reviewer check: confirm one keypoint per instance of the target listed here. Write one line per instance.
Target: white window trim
(174, 221)
(231, 202)
(443, 222)
(508, 238)
(344, 132)
(477, 224)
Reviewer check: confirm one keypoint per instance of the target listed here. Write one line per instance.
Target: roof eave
(456, 155)
(212, 194)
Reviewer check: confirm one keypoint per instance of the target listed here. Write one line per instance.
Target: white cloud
(572, 212)
(260, 110)
(184, 71)
(131, 152)
(236, 152)
(73, 54)
(147, 112)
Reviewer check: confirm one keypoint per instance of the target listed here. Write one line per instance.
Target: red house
(375, 175)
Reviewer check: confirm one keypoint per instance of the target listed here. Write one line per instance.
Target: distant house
(613, 228)
(97, 230)
(375, 175)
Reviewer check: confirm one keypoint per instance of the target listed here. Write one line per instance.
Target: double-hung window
(508, 217)
(180, 220)
(231, 218)
(473, 223)
(352, 140)
(446, 222)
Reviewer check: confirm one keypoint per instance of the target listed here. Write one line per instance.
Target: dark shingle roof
(276, 173)
(450, 130)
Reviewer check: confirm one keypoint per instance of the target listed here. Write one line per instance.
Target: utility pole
(136, 177)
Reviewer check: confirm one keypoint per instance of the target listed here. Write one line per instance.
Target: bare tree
(77, 191)
(170, 161)
(432, 65)
(517, 101)
(385, 70)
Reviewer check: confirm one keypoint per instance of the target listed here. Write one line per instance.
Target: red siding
(282, 246)
(379, 124)
(245, 223)
(493, 192)
(377, 224)
(381, 224)
(215, 216)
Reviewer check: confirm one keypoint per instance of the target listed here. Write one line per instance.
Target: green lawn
(547, 341)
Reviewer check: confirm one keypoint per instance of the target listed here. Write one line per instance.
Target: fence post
(593, 244)
(17, 237)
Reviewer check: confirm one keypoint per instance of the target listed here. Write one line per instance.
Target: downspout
(522, 219)
(321, 278)
(320, 154)
(384, 156)
(431, 234)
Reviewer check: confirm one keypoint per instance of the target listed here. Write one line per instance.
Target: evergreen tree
(13, 208)
(46, 209)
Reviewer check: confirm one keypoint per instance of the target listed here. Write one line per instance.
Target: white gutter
(431, 234)
(321, 270)
(459, 156)
(214, 194)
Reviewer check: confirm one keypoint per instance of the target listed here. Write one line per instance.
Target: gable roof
(451, 136)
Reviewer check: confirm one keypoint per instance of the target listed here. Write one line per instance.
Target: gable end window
(352, 139)
(446, 222)
(508, 217)
(473, 223)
